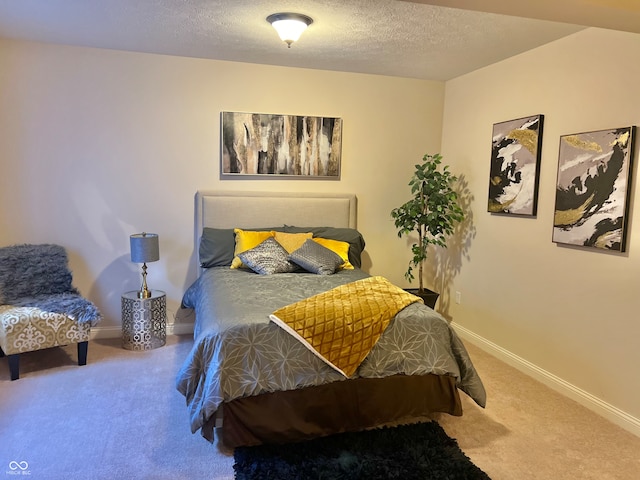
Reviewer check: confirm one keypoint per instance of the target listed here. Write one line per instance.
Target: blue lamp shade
(144, 247)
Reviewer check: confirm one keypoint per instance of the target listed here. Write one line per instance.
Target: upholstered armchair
(39, 307)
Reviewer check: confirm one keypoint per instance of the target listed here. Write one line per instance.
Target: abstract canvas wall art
(257, 145)
(515, 166)
(592, 188)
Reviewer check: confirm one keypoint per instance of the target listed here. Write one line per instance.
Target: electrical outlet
(458, 298)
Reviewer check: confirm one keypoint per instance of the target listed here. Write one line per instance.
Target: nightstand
(144, 320)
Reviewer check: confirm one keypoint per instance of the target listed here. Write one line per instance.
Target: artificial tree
(432, 212)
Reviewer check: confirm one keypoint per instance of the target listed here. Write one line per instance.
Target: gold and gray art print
(258, 146)
(515, 166)
(592, 188)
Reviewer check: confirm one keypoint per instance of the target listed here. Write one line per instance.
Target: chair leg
(82, 353)
(14, 366)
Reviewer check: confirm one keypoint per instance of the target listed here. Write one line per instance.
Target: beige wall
(96, 145)
(571, 312)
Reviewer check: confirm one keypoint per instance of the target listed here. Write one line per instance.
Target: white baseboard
(116, 332)
(593, 403)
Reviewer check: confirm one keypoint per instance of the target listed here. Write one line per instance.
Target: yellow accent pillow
(292, 241)
(341, 248)
(246, 240)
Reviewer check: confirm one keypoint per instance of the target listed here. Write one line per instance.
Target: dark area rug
(421, 451)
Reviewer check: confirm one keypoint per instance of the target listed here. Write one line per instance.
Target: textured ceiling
(386, 37)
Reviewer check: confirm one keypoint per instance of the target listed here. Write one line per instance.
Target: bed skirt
(342, 406)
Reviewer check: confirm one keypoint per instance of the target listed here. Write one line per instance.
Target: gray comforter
(238, 352)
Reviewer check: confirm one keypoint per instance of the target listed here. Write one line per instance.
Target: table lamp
(144, 248)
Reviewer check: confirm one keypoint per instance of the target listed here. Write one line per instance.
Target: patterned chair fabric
(39, 306)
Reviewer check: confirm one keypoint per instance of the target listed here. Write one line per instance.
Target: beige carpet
(121, 417)
(529, 431)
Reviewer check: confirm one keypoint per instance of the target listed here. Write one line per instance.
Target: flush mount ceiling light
(289, 25)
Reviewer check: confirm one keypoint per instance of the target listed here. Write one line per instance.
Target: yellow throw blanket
(342, 325)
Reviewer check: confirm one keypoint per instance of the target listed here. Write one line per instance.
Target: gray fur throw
(39, 276)
(69, 304)
(32, 271)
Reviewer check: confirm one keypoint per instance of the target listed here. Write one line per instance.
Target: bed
(251, 381)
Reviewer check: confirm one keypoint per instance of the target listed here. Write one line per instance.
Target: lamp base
(144, 293)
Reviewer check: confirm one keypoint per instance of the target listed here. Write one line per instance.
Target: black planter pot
(428, 296)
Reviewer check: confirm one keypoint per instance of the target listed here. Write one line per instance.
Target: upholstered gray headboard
(268, 209)
(273, 209)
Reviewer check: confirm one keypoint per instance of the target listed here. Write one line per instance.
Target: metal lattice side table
(144, 321)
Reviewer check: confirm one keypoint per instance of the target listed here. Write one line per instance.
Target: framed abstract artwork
(515, 166)
(258, 145)
(593, 188)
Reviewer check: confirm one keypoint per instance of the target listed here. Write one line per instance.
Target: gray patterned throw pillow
(316, 258)
(267, 258)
